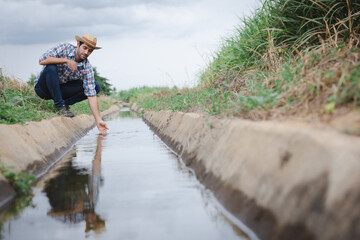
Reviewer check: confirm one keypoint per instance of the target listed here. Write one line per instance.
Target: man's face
(83, 51)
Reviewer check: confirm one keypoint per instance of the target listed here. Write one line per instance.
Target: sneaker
(65, 111)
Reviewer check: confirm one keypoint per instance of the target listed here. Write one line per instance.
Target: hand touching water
(101, 125)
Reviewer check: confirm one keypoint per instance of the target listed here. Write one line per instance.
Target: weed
(21, 182)
(18, 102)
(83, 106)
(329, 108)
(283, 28)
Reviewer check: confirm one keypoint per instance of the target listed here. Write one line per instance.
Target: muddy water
(124, 185)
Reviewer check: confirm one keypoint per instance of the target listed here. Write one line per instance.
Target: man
(68, 78)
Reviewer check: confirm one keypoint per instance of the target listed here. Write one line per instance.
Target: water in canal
(124, 185)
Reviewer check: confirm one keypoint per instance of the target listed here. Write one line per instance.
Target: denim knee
(97, 87)
(51, 68)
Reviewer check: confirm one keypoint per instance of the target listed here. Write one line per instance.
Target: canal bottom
(123, 185)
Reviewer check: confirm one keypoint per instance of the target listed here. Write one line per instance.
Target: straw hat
(88, 39)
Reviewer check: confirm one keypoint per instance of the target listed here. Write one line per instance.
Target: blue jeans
(49, 87)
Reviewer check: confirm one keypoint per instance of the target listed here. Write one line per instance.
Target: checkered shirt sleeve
(60, 51)
(89, 81)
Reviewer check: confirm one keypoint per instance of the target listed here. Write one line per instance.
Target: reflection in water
(127, 114)
(73, 193)
(14, 210)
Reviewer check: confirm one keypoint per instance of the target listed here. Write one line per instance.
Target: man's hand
(101, 125)
(72, 65)
(94, 107)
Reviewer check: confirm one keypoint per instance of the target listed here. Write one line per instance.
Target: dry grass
(323, 85)
(291, 59)
(11, 82)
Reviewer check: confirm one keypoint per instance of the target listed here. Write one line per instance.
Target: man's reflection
(93, 221)
(74, 192)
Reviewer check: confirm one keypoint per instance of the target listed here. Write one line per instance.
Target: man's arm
(94, 107)
(54, 60)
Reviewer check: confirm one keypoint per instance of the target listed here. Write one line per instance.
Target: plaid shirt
(84, 70)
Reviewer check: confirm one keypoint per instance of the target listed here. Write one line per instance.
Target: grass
(126, 95)
(318, 81)
(19, 103)
(290, 58)
(21, 182)
(280, 28)
(105, 102)
(209, 100)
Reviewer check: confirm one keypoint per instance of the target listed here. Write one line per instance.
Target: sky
(152, 43)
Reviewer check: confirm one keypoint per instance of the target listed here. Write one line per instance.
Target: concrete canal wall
(37, 145)
(285, 180)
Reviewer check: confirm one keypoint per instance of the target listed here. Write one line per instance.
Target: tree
(104, 84)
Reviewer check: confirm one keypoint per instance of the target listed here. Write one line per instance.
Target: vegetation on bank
(19, 103)
(291, 57)
(21, 182)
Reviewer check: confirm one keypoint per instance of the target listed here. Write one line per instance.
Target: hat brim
(80, 39)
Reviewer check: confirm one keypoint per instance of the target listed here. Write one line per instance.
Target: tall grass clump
(282, 54)
(19, 103)
(281, 28)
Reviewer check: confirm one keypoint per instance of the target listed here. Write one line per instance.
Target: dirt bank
(285, 180)
(37, 145)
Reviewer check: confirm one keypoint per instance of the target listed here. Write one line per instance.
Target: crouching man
(68, 78)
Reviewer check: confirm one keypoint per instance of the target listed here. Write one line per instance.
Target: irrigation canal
(123, 185)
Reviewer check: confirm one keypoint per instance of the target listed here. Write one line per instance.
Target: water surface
(124, 185)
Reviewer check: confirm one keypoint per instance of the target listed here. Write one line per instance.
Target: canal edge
(36, 146)
(285, 180)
